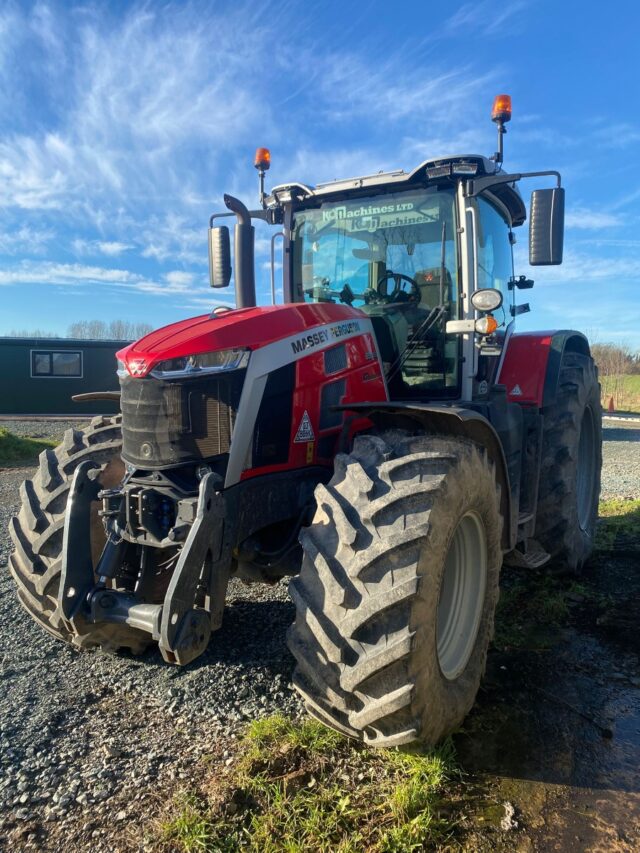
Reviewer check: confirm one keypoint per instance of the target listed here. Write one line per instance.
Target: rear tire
(571, 461)
(396, 597)
(37, 531)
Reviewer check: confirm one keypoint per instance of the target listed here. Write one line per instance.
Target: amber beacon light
(262, 159)
(501, 114)
(501, 108)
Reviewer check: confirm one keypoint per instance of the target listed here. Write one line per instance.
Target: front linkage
(181, 629)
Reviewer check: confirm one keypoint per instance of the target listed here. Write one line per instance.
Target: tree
(615, 362)
(116, 330)
(27, 333)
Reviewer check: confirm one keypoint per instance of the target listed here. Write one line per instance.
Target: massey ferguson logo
(323, 336)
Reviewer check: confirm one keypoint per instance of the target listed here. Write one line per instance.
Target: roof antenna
(501, 114)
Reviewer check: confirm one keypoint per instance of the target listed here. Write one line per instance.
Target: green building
(39, 376)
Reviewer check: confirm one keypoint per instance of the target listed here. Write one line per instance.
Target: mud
(552, 748)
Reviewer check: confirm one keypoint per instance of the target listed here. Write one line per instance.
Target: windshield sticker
(343, 212)
(373, 217)
(323, 336)
(305, 430)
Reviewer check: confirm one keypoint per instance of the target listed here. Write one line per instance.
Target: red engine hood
(245, 327)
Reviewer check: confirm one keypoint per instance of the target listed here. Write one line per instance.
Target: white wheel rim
(461, 600)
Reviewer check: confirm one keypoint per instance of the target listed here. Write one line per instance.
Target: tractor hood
(249, 328)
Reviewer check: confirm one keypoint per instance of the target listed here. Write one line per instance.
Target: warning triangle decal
(305, 430)
(516, 391)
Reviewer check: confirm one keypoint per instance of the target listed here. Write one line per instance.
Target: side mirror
(219, 256)
(546, 227)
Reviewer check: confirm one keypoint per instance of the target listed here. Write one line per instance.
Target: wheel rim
(586, 469)
(461, 595)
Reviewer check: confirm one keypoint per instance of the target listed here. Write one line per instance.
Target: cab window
(494, 253)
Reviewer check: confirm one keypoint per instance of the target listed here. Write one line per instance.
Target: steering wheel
(398, 294)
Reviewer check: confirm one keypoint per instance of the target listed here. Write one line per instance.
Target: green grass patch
(531, 608)
(16, 449)
(302, 787)
(625, 390)
(619, 525)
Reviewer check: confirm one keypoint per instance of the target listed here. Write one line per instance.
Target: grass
(15, 449)
(619, 525)
(625, 390)
(532, 605)
(302, 787)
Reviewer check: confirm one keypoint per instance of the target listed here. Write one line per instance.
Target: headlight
(204, 362)
(488, 299)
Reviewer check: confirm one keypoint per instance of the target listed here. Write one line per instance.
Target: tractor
(383, 437)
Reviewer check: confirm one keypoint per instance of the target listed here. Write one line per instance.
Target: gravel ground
(621, 460)
(88, 735)
(86, 739)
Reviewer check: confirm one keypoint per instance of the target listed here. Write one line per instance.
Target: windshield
(387, 255)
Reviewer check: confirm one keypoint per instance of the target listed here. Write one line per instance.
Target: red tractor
(384, 436)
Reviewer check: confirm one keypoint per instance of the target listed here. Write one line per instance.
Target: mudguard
(531, 365)
(455, 421)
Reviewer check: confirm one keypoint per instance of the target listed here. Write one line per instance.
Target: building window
(56, 363)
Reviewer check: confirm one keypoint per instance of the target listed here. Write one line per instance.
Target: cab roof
(440, 171)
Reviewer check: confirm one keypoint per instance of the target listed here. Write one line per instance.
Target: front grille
(167, 423)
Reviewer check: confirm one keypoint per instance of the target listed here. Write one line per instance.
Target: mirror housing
(219, 256)
(546, 227)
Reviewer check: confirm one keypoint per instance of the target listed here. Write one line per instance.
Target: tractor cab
(427, 255)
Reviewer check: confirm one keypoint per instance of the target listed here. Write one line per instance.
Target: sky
(123, 123)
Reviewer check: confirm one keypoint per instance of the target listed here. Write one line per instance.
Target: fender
(455, 421)
(531, 365)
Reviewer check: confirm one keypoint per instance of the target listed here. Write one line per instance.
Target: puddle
(555, 733)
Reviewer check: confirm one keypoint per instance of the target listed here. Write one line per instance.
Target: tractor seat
(428, 282)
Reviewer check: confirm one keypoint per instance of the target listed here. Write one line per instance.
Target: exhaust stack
(244, 234)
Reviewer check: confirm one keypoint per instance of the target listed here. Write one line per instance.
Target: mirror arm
(478, 185)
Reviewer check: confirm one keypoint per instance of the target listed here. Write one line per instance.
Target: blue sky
(123, 124)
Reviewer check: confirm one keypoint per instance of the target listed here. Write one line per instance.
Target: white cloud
(145, 91)
(25, 240)
(191, 286)
(111, 248)
(585, 219)
(485, 18)
(389, 91)
(583, 266)
(180, 278)
(47, 272)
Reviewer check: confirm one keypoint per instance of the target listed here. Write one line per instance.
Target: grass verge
(619, 525)
(19, 449)
(625, 390)
(301, 787)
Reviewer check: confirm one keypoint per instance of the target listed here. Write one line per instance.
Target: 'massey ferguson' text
(323, 336)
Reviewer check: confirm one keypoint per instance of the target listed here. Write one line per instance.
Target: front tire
(37, 531)
(396, 597)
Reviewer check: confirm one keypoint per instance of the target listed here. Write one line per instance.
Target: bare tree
(30, 333)
(615, 362)
(116, 330)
